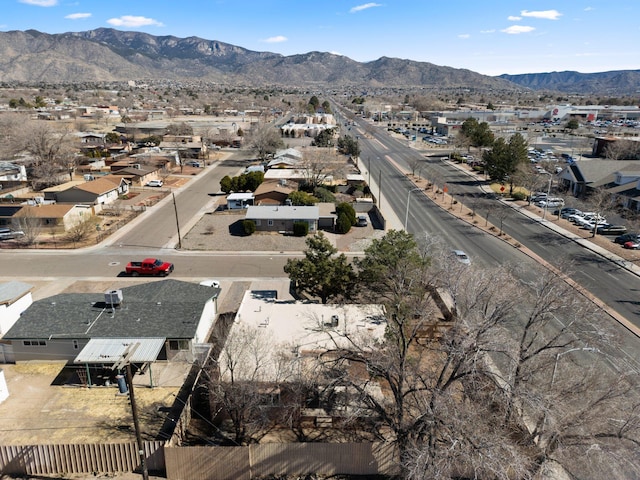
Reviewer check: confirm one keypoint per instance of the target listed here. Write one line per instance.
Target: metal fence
(79, 458)
(195, 463)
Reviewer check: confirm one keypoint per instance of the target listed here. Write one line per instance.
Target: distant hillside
(113, 55)
(622, 82)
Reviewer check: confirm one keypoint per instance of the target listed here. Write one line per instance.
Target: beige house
(56, 217)
(273, 192)
(95, 192)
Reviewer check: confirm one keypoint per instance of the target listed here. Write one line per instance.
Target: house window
(178, 344)
(270, 223)
(257, 223)
(34, 343)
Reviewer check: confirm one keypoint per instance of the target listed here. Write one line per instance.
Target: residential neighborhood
(176, 366)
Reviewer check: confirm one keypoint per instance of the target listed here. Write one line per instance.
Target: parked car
(154, 183)
(611, 229)
(627, 237)
(537, 197)
(362, 221)
(632, 245)
(461, 257)
(576, 217)
(569, 211)
(589, 221)
(8, 234)
(550, 202)
(565, 211)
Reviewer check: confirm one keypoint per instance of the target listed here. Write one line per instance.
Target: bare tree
(622, 150)
(602, 203)
(81, 230)
(264, 139)
(246, 387)
(29, 224)
(319, 164)
(47, 145)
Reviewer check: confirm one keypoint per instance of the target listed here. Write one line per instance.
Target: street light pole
(555, 366)
(406, 215)
(546, 206)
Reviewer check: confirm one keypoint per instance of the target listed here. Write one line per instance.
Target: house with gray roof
(280, 218)
(620, 178)
(181, 314)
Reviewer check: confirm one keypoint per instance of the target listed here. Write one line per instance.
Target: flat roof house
(239, 200)
(280, 218)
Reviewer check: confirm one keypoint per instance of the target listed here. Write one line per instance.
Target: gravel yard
(218, 232)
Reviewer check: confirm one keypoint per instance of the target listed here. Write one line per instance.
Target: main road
(381, 155)
(384, 159)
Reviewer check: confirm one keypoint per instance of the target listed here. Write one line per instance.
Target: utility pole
(380, 189)
(136, 424)
(175, 208)
(126, 363)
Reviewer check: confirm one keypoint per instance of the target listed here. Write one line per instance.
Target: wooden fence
(79, 458)
(275, 459)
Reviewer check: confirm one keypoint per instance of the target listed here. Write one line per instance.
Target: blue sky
(490, 36)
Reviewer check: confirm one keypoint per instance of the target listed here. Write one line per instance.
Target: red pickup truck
(149, 266)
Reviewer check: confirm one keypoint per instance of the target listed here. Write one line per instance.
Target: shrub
(300, 229)
(347, 209)
(249, 227)
(519, 196)
(343, 224)
(324, 195)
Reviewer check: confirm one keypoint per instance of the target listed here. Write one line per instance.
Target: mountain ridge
(107, 54)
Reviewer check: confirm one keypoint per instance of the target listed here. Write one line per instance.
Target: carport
(111, 352)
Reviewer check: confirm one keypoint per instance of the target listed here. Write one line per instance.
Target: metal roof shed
(113, 351)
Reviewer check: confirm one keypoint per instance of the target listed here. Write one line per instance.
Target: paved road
(606, 280)
(614, 286)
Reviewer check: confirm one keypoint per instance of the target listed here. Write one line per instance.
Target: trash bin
(122, 384)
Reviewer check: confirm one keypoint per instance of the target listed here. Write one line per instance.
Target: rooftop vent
(113, 297)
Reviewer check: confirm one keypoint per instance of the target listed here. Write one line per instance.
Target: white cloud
(464, 36)
(364, 6)
(41, 3)
(513, 18)
(588, 9)
(546, 14)
(493, 30)
(133, 21)
(517, 29)
(276, 39)
(77, 16)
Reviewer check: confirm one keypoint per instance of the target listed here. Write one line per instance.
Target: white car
(154, 183)
(578, 217)
(210, 283)
(551, 202)
(590, 220)
(461, 257)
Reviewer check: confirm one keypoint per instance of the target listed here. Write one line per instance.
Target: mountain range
(104, 54)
